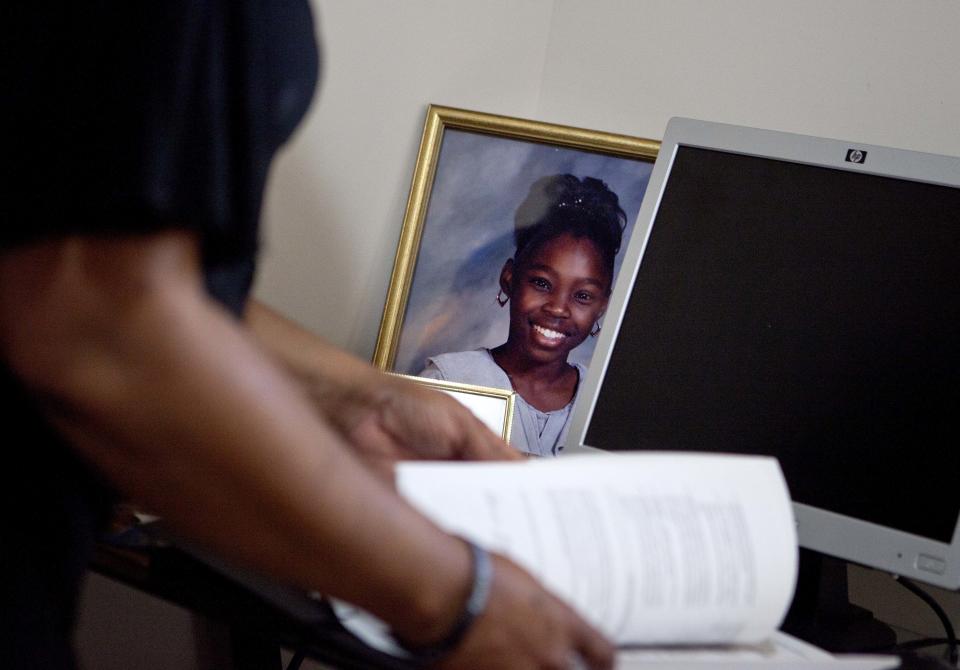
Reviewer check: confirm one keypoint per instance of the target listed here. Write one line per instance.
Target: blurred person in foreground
(134, 366)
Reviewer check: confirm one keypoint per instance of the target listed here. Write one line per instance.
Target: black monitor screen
(804, 312)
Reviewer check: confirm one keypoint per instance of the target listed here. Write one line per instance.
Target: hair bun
(562, 203)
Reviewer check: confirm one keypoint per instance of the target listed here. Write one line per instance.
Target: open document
(655, 549)
(652, 548)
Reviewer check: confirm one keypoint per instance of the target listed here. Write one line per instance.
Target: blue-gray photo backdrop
(468, 235)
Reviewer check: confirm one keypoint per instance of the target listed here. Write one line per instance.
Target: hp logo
(856, 156)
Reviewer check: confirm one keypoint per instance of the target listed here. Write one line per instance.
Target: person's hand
(397, 419)
(384, 418)
(526, 627)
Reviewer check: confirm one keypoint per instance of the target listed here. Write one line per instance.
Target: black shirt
(126, 118)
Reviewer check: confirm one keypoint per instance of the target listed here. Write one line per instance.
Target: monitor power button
(931, 564)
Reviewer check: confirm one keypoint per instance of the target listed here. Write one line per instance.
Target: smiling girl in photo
(567, 233)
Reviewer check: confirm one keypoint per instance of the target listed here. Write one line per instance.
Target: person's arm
(384, 417)
(171, 400)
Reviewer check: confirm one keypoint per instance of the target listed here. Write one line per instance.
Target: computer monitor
(798, 297)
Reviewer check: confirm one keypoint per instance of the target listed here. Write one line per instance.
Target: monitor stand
(822, 614)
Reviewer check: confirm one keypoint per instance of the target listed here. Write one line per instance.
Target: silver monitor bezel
(822, 530)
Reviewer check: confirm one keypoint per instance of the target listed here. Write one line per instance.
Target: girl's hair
(561, 204)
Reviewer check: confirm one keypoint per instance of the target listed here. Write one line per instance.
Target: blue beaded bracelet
(476, 603)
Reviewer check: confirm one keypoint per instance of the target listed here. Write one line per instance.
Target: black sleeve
(129, 117)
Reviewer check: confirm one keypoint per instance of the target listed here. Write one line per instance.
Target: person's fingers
(594, 650)
(481, 443)
(580, 645)
(526, 626)
(478, 442)
(420, 423)
(454, 429)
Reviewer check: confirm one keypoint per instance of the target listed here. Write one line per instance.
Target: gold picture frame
(504, 139)
(492, 406)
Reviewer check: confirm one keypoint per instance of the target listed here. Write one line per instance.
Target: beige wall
(875, 71)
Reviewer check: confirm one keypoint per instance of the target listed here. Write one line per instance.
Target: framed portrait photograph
(511, 241)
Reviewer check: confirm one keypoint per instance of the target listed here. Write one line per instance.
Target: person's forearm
(333, 377)
(169, 397)
(384, 417)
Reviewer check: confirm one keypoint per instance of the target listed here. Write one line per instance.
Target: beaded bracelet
(476, 602)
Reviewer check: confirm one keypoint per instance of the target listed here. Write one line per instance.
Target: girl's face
(557, 294)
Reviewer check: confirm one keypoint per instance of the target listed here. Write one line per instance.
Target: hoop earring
(596, 329)
(501, 299)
